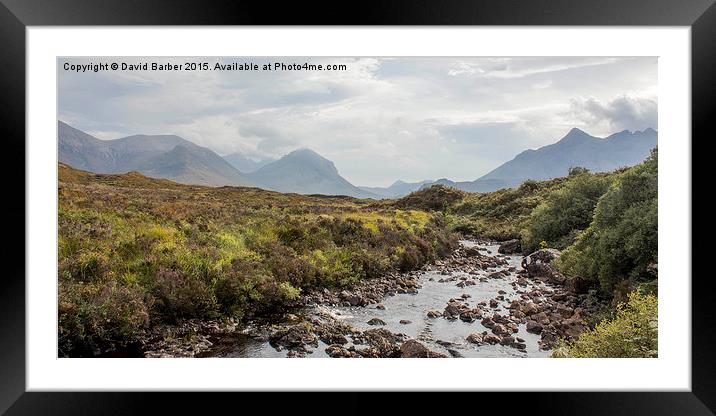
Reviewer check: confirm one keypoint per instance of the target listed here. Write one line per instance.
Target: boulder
(433, 314)
(533, 327)
(414, 349)
(337, 351)
(500, 329)
(529, 308)
(376, 321)
(476, 338)
(510, 247)
(472, 252)
(545, 255)
(507, 340)
(294, 337)
(384, 342)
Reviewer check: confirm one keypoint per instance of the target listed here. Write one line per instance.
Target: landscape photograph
(357, 207)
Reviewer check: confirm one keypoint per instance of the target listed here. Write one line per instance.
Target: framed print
(408, 197)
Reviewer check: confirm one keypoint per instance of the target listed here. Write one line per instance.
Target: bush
(565, 211)
(631, 334)
(179, 295)
(95, 318)
(433, 198)
(622, 239)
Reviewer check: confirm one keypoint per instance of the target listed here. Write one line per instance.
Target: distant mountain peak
(304, 171)
(305, 153)
(576, 134)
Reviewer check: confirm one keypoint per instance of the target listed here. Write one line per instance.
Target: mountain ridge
(160, 156)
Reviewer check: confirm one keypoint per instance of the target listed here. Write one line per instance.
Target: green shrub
(433, 198)
(565, 211)
(633, 333)
(622, 239)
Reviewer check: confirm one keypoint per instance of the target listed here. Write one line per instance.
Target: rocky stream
(485, 300)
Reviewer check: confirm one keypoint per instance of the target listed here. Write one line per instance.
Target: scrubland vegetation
(606, 225)
(136, 252)
(632, 333)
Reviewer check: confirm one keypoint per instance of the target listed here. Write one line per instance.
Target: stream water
(438, 334)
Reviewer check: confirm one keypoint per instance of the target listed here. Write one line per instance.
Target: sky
(381, 119)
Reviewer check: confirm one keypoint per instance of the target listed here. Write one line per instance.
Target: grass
(135, 252)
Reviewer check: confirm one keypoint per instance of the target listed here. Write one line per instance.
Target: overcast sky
(383, 119)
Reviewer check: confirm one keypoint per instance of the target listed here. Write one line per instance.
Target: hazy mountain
(577, 148)
(306, 172)
(169, 157)
(244, 164)
(396, 190)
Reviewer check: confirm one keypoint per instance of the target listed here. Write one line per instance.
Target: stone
(500, 329)
(376, 321)
(487, 322)
(414, 349)
(476, 338)
(507, 340)
(510, 247)
(533, 327)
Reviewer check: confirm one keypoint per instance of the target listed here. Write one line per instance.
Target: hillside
(136, 252)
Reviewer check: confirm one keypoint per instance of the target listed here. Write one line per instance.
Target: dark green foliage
(632, 333)
(622, 239)
(433, 198)
(502, 214)
(565, 211)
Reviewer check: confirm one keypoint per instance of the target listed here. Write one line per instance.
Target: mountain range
(306, 172)
(577, 148)
(168, 157)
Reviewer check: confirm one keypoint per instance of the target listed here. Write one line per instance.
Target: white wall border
(671, 371)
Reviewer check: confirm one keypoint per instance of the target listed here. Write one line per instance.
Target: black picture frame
(16, 15)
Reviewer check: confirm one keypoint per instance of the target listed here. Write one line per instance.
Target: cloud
(383, 119)
(621, 113)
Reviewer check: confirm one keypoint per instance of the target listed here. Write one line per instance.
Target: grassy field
(135, 252)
